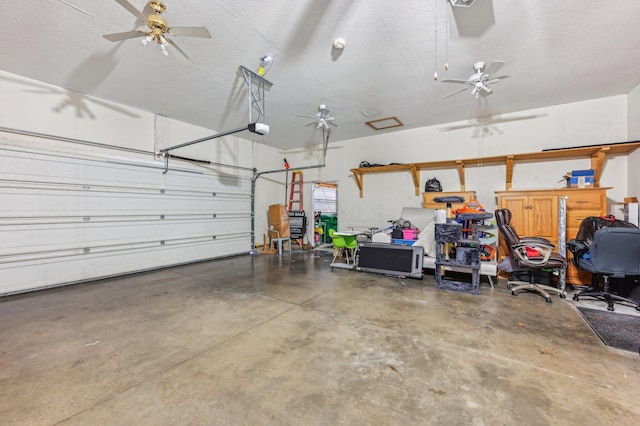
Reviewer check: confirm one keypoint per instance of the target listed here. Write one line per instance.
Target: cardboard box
(278, 213)
(282, 228)
(581, 179)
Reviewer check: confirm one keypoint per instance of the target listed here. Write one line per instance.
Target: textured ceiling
(556, 52)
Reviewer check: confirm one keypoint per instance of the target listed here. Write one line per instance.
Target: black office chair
(613, 253)
(529, 255)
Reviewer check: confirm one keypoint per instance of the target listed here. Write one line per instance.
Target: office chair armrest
(575, 246)
(535, 240)
(544, 250)
(577, 249)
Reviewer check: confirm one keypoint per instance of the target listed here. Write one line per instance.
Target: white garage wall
(72, 212)
(584, 123)
(52, 110)
(633, 177)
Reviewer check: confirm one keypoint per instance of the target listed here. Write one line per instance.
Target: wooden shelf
(597, 153)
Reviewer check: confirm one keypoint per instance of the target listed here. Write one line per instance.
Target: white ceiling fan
(159, 28)
(322, 119)
(481, 80)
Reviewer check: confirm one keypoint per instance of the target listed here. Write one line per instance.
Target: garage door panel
(66, 218)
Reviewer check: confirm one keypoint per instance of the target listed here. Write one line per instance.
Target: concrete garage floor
(262, 339)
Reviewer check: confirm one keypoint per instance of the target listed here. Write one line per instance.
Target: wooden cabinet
(535, 214)
(428, 203)
(582, 203)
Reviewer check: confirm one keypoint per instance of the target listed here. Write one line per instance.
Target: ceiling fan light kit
(480, 80)
(322, 119)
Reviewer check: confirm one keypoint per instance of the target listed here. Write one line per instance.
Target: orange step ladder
(296, 190)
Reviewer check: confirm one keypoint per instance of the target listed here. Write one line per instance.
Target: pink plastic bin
(409, 234)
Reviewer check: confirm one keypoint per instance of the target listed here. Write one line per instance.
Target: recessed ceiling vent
(384, 123)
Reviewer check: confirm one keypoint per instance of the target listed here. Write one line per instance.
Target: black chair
(613, 253)
(528, 256)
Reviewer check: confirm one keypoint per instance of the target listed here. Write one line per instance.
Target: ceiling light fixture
(339, 43)
(265, 63)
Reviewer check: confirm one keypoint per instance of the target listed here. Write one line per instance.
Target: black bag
(591, 224)
(432, 185)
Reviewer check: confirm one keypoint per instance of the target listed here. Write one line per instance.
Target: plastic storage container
(409, 234)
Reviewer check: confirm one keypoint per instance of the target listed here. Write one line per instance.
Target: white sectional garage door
(66, 218)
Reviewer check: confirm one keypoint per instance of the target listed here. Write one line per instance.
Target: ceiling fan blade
(309, 124)
(501, 77)
(492, 81)
(455, 80)
(132, 9)
(124, 36)
(181, 55)
(201, 32)
(148, 10)
(306, 116)
(494, 67)
(333, 124)
(454, 93)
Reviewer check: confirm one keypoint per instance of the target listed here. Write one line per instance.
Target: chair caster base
(575, 297)
(563, 296)
(548, 299)
(513, 293)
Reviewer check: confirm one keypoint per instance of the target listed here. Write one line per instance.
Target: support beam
(358, 177)
(206, 138)
(597, 164)
(415, 174)
(256, 85)
(509, 177)
(460, 167)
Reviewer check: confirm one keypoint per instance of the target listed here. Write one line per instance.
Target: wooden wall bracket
(597, 153)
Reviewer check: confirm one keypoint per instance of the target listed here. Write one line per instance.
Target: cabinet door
(517, 205)
(543, 217)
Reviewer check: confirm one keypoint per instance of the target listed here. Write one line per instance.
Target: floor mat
(620, 331)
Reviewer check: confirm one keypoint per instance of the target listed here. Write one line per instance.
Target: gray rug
(617, 330)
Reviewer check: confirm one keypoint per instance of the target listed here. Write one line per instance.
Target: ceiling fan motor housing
(157, 22)
(157, 6)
